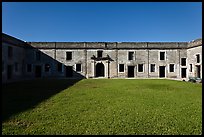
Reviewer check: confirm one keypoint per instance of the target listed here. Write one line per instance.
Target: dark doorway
(99, 70)
(38, 71)
(9, 71)
(161, 71)
(183, 72)
(131, 71)
(69, 71)
(198, 71)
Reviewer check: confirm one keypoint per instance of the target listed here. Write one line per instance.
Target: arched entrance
(99, 70)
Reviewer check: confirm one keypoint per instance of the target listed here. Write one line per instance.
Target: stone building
(28, 60)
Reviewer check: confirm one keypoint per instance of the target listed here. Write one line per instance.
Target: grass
(104, 106)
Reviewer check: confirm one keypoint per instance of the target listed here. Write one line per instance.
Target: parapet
(195, 43)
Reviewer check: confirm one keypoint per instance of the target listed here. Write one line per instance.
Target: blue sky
(103, 21)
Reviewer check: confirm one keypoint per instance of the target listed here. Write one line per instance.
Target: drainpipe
(179, 62)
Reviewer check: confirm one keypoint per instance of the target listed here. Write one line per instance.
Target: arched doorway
(99, 70)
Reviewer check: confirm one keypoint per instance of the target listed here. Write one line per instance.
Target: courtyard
(102, 107)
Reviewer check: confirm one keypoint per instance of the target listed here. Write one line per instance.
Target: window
(29, 68)
(16, 67)
(99, 54)
(47, 67)
(198, 58)
(130, 55)
(171, 68)
(59, 67)
(10, 52)
(68, 55)
(152, 68)
(183, 61)
(37, 55)
(78, 67)
(121, 67)
(191, 68)
(105, 45)
(162, 55)
(140, 67)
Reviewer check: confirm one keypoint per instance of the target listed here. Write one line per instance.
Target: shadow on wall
(26, 94)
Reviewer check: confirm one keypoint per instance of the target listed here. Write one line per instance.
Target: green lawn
(102, 106)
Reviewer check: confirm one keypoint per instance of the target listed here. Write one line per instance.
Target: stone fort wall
(85, 63)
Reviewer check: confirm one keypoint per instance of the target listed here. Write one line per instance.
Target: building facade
(179, 60)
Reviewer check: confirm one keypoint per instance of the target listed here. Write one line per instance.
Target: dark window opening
(100, 70)
(9, 71)
(68, 55)
(183, 61)
(106, 45)
(140, 67)
(47, 67)
(131, 71)
(29, 68)
(161, 71)
(130, 55)
(162, 55)
(121, 67)
(152, 68)
(10, 52)
(99, 54)
(59, 67)
(191, 67)
(171, 68)
(16, 67)
(198, 58)
(38, 71)
(78, 67)
(38, 55)
(183, 72)
(198, 72)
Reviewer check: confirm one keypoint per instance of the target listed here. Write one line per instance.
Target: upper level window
(197, 58)
(38, 55)
(130, 55)
(99, 53)
(171, 68)
(162, 55)
(140, 67)
(78, 67)
(183, 61)
(152, 68)
(10, 52)
(68, 55)
(121, 67)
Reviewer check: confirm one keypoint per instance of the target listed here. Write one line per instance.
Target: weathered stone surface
(113, 53)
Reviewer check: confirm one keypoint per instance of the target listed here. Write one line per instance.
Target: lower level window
(29, 67)
(121, 67)
(16, 67)
(140, 67)
(2, 67)
(78, 67)
(152, 68)
(59, 67)
(171, 68)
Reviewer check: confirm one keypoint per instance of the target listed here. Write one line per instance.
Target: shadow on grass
(20, 96)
